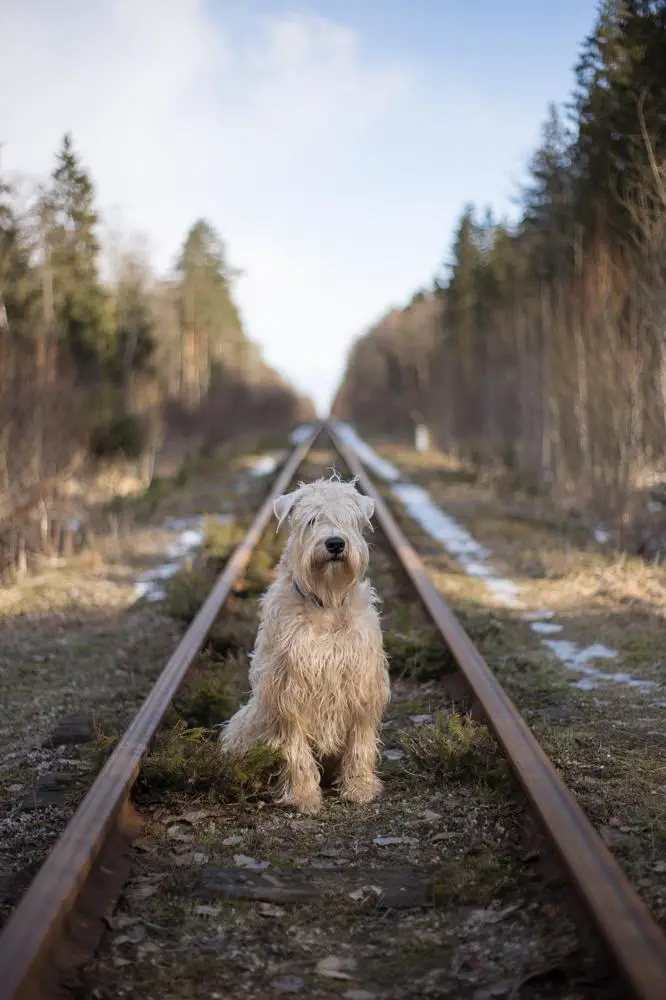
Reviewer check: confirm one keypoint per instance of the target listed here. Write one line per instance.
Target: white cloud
(179, 115)
(333, 175)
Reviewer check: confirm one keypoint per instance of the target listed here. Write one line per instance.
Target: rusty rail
(627, 927)
(58, 918)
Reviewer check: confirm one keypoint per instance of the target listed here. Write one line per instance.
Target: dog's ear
(367, 505)
(282, 506)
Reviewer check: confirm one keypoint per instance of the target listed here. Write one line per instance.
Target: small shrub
(454, 748)
(104, 742)
(208, 706)
(191, 760)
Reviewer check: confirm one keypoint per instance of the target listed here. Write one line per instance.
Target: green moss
(454, 748)
(208, 705)
(190, 760)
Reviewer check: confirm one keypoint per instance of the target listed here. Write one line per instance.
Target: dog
(319, 674)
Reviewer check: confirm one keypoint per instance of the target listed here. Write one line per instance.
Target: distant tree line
(97, 367)
(543, 344)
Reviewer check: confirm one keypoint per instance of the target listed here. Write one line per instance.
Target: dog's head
(327, 552)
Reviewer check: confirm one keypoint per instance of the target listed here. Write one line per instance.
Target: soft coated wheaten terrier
(319, 674)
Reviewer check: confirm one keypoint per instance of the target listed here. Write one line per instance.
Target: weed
(208, 705)
(190, 760)
(104, 742)
(454, 748)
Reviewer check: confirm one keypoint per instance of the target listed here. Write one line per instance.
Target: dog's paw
(361, 789)
(305, 800)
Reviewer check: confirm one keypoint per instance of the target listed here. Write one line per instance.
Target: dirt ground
(442, 888)
(76, 646)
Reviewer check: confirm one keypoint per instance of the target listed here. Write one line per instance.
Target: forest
(98, 366)
(540, 347)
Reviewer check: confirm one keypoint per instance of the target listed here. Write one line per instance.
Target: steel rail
(32, 952)
(625, 924)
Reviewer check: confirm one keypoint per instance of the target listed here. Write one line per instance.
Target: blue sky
(332, 144)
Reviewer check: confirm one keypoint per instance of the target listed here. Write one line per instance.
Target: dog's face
(326, 549)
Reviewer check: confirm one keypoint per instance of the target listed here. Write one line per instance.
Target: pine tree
(212, 333)
(81, 308)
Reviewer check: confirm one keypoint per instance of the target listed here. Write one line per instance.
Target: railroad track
(61, 919)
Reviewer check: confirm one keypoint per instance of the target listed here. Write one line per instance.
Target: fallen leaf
(335, 967)
(365, 892)
(195, 816)
(243, 861)
(392, 754)
(176, 833)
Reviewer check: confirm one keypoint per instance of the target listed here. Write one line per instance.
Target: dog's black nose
(335, 545)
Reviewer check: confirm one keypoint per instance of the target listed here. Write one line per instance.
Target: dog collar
(316, 600)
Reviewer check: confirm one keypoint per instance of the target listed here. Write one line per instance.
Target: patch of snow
(456, 540)
(601, 535)
(545, 628)
(367, 454)
(180, 523)
(537, 616)
(190, 539)
(151, 591)
(577, 659)
(265, 465)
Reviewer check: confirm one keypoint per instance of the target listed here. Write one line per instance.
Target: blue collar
(316, 600)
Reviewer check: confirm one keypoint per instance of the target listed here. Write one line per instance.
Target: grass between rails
(448, 826)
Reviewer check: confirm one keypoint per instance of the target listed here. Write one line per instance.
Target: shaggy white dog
(319, 674)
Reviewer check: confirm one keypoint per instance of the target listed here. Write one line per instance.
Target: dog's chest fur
(326, 664)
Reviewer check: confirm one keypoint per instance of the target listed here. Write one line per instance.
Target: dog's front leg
(358, 781)
(301, 774)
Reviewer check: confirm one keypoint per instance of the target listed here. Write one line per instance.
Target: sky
(332, 145)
